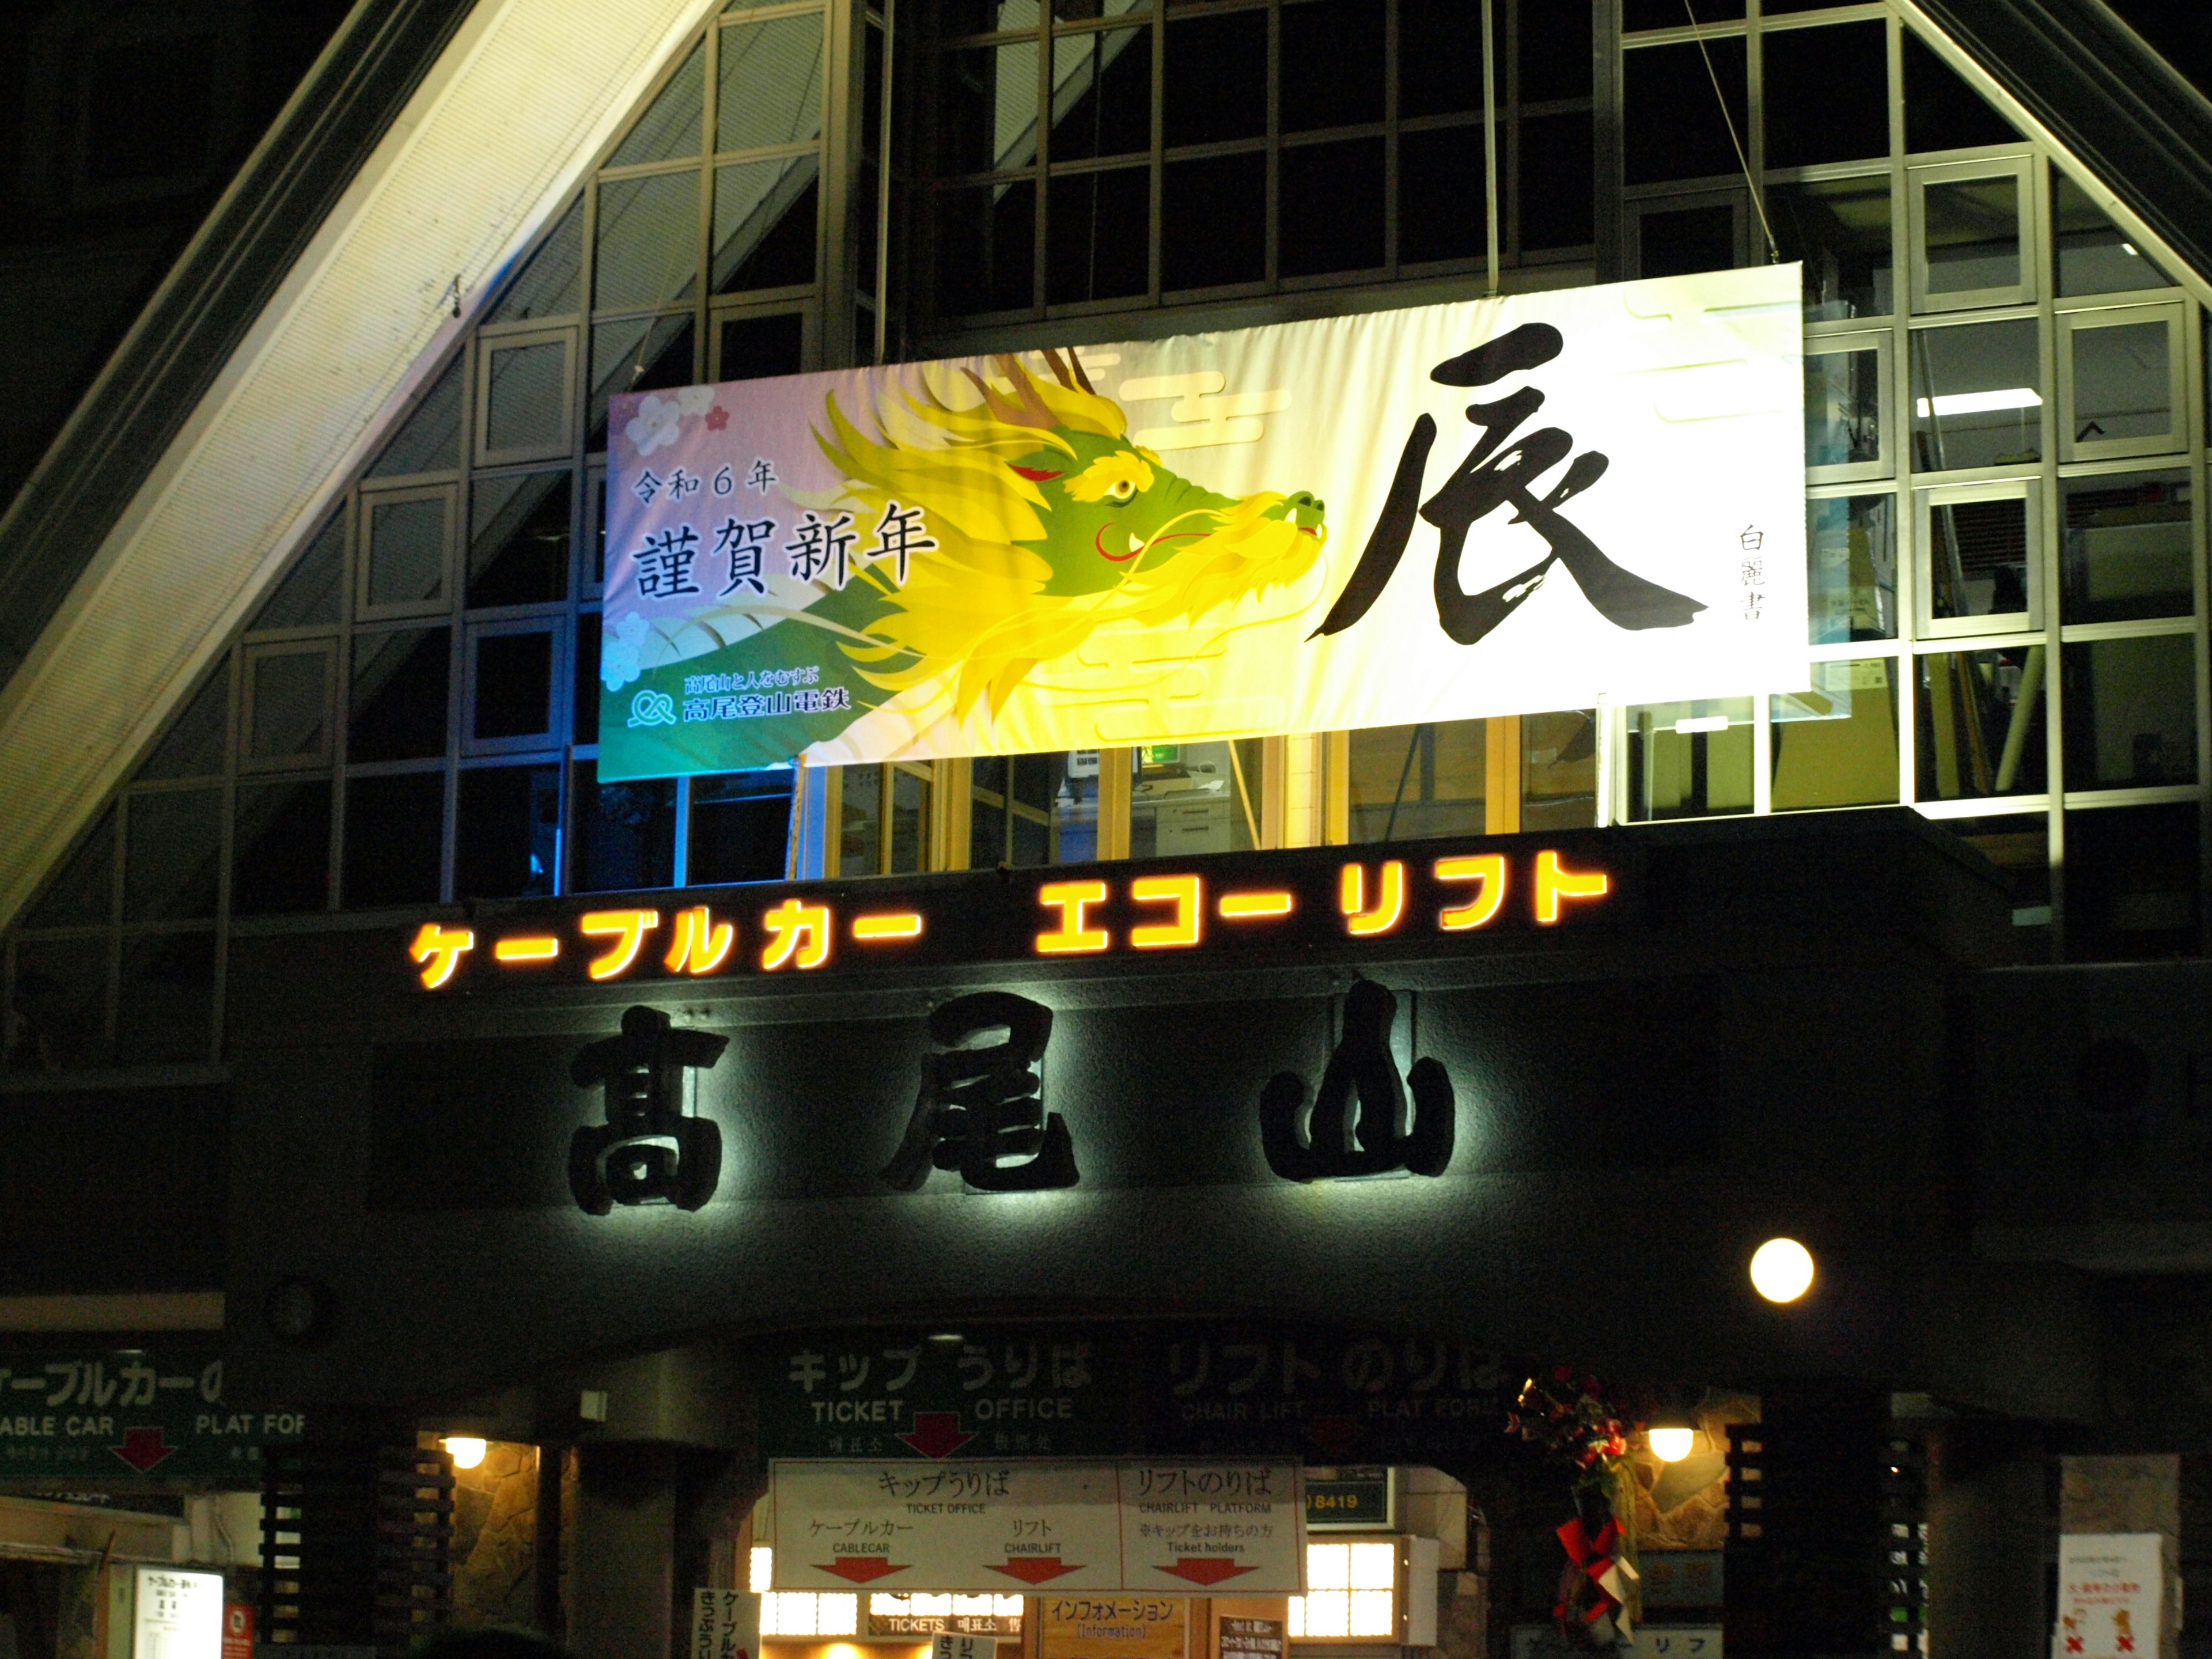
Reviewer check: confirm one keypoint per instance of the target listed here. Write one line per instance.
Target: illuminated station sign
(1270, 905)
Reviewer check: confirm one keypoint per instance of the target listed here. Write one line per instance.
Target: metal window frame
(364, 609)
(555, 624)
(2067, 326)
(1881, 342)
(2020, 167)
(488, 353)
(251, 657)
(1946, 631)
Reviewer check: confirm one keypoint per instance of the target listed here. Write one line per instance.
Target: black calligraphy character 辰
(1357, 1123)
(650, 1150)
(981, 1106)
(1496, 474)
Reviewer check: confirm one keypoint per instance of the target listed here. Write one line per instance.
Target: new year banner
(1488, 508)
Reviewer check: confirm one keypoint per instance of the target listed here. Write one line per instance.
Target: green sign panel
(1349, 1498)
(123, 1417)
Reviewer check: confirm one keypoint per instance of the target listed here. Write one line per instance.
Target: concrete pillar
(1985, 1544)
(621, 1560)
(2131, 1494)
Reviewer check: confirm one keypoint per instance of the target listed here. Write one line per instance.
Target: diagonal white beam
(500, 132)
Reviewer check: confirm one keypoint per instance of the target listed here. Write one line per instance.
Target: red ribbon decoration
(1593, 1557)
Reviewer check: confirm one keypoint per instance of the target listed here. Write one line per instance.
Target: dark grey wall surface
(1774, 1047)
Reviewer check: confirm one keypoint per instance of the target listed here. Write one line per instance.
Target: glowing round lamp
(466, 1450)
(1670, 1445)
(1782, 1270)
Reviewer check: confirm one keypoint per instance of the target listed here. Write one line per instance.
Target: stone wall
(495, 1538)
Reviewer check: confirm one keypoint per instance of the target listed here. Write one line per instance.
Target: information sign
(1114, 1627)
(1254, 1639)
(725, 1624)
(120, 1417)
(2111, 1589)
(177, 1614)
(963, 1647)
(1000, 1526)
(1349, 1499)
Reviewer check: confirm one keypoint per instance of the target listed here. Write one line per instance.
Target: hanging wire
(1758, 201)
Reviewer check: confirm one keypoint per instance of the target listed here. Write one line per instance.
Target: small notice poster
(725, 1624)
(1114, 1627)
(1254, 1639)
(963, 1647)
(2111, 1586)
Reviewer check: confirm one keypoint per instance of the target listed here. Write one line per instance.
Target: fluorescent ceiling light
(1981, 403)
(1702, 723)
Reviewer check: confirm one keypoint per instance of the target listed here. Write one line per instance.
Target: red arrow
(1206, 1568)
(936, 1434)
(1034, 1569)
(860, 1568)
(143, 1449)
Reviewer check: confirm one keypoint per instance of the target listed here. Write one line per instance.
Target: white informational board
(725, 1624)
(176, 1615)
(2111, 1589)
(1040, 1526)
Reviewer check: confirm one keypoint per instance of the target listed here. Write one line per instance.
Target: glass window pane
(1679, 241)
(79, 895)
(1186, 799)
(1842, 406)
(2020, 847)
(1840, 229)
(2131, 713)
(1558, 186)
(528, 397)
(165, 1008)
(648, 250)
(910, 827)
(1836, 745)
(281, 848)
(1977, 558)
(172, 854)
(987, 108)
(2124, 547)
(621, 836)
(1690, 760)
(1100, 232)
(429, 440)
(398, 703)
(670, 127)
(741, 826)
(1977, 396)
(1213, 221)
(647, 354)
(1331, 64)
(1559, 770)
(1440, 56)
(552, 284)
(518, 540)
(406, 550)
(1669, 14)
(1978, 720)
(1409, 781)
(2123, 382)
(2093, 257)
(1440, 202)
(986, 248)
(290, 699)
(1673, 127)
(1333, 194)
(764, 214)
(771, 91)
(58, 1014)
(1850, 575)
(1826, 94)
(1101, 96)
(1972, 233)
(587, 710)
(1556, 60)
(2131, 883)
(514, 686)
(394, 831)
(1942, 111)
(1216, 84)
(193, 745)
(310, 595)
(754, 348)
(860, 826)
(508, 832)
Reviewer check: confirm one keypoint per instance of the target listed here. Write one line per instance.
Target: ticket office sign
(1544, 501)
(1157, 1527)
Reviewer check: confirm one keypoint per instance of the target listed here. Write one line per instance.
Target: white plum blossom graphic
(618, 651)
(659, 420)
